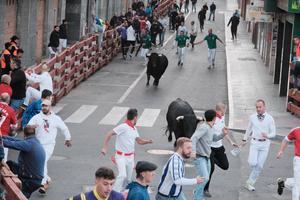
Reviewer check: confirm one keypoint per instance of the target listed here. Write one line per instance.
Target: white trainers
(249, 186)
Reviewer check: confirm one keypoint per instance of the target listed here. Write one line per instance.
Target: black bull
(156, 67)
(181, 120)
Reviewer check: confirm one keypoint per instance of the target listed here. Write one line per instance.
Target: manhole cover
(160, 152)
(58, 158)
(247, 59)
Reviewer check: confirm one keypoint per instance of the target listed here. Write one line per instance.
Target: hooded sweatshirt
(137, 192)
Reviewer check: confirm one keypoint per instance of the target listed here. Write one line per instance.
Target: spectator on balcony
(44, 80)
(18, 85)
(8, 120)
(5, 85)
(31, 160)
(63, 35)
(53, 45)
(35, 107)
(14, 41)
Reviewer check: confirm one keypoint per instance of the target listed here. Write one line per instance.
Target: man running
(127, 134)
(211, 40)
(181, 40)
(294, 183)
(261, 127)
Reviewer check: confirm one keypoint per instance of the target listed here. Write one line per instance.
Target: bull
(181, 119)
(156, 67)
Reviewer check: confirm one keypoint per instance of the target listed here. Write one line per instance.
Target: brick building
(33, 20)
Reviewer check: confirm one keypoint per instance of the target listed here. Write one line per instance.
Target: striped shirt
(172, 178)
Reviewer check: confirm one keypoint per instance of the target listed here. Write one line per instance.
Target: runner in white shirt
(45, 82)
(218, 155)
(127, 134)
(130, 40)
(47, 123)
(261, 128)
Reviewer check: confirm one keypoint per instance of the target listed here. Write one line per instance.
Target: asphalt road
(121, 84)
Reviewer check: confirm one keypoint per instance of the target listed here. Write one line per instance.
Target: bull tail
(170, 134)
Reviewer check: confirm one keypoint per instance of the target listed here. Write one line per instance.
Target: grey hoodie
(202, 139)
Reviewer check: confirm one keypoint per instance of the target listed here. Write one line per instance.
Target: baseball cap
(46, 102)
(143, 166)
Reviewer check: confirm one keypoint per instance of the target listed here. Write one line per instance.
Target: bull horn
(179, 118)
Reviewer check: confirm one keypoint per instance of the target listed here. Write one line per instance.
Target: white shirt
(47, 126)
(256, 127)
(126, 136)
(164, 22)
(148, 23)
(218, 130)
(130, 34)
(44, 79)
(173, 174)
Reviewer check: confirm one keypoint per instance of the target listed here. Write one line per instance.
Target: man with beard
(172, 180)
(127, 134)
(47, 123)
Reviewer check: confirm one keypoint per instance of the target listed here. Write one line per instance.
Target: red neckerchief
(129, 123)
(219, 116)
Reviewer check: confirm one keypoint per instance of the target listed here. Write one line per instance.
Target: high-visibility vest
(16, 48)
(2, 58)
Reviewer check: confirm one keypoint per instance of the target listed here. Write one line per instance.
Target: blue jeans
(16, 103)
(202, 165)
(160, 197)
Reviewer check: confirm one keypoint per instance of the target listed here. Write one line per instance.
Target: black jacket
(54, 39)
(234, 20)
(201, 15)
(63, 31)
(18, 84)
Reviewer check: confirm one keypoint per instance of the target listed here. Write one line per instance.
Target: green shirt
(211, 41)
(147, 42)
(181, 40)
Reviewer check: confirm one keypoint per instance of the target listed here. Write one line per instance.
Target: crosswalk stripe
(114, 116)
(81, 114)
(58, 107)
(148, 117)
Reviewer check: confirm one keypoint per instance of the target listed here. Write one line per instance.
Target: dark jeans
(128, 44)
(193, 37)
(123, 46)
(153, 38)
(218, 157)
(29, 185)
(201, 25)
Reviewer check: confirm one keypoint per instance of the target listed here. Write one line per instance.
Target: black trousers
(218, 157)
(233, 31)
(29, 185)
(128, 44)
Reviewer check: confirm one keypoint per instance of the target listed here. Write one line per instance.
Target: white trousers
(62, 44)
(48, 153)
(294, 183)
(258, 154)
(31, 94)
(181, 53)
(144, 53)
(211, 56)
(125, 166)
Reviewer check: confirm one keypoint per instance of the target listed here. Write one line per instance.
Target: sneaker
(280, 187)
(206, 193)
(43, 188)
(249, 186)
(178, 63)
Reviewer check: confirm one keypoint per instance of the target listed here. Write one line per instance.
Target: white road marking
(81, 114)
(58, 107)
(132, 86)
(114, 116)
(148, 117)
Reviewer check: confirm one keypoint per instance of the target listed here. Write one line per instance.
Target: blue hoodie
(137, 192)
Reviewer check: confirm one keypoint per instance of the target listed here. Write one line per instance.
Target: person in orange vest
(14, 40)
(5, 59)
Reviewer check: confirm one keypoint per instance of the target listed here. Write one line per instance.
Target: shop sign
(257, 14)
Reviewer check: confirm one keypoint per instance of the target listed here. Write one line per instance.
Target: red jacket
(10, 118)
(4, 88)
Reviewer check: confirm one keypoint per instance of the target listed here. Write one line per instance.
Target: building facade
(33, 21)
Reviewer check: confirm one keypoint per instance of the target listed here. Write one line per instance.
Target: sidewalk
(248, 80)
